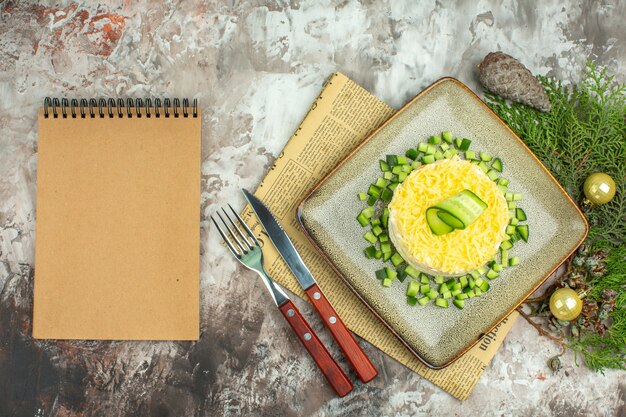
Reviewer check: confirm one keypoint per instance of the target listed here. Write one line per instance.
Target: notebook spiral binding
(111, 107)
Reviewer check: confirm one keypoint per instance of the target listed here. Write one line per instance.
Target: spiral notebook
(117, 252)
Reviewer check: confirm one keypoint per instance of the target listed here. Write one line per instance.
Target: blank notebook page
(118, 225)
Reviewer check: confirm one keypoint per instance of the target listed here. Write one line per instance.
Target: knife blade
(346, 341)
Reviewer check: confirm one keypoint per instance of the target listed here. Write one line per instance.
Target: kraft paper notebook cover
(117, 251)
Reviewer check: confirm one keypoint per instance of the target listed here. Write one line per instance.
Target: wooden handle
(348, 344)
(333, 373)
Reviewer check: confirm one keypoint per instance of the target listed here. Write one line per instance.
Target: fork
(244, 246)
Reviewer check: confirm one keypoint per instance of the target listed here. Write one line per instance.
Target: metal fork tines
(245, 247)
(247, 250)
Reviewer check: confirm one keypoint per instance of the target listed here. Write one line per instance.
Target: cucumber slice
(436, 224)
(484, 156)
(439, 279)
(386, 194)
(457, 212)
(465, 144)
(370, 237)
(422, 147)
(514, 261)
(424, 288)
(384, 166)
(424, 279)
(387, 282)
(492, 274)
(520, 214)
(460, 304)
(362, 219)
(372, 200)
(411, 301)
(470, 155)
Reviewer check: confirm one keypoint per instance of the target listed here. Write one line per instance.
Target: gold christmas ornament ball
(565, 304)
(599, 188)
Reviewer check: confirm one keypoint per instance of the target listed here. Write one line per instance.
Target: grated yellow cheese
(460, 251)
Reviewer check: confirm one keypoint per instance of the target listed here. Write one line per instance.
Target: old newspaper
(339, 119)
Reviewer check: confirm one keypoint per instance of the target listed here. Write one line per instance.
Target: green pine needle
(585, 132)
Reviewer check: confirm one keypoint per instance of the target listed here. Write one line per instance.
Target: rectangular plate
(439, 336)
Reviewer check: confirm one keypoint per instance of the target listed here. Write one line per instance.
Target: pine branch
(585, 132)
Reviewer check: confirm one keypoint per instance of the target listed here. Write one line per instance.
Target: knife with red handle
(361, 364)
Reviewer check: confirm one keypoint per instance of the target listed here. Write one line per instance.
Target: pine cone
(507, 77)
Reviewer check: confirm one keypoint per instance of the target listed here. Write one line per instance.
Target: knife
(358, 360)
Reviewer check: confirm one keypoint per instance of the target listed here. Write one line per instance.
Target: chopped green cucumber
(372, 200)
(381, 273)
(370, 237)
(506, 245)
(443, 288)
(447, 136)
(431, 149)
(396, 259)
(497, 164)
(391, 273)
(504, 257)
(383, 237)
(475, 274)
(522, 229)
(362, 219)
(492, 274)
(439, 279)
(401, 177)
(470, 155)
(433, 293)
(428, 159)
(514, 221)
(411, 271)
(412, 153)
(492, 174)
(434, 140)
(513, 261)
(401, 273)
(444, 147)
(386, 247)
(370, 252)
(485, 157)
(396, 169)
(387, 282)
(460, 304)
(424, 279)
(379, 254)
(380, 182)
(423, 301)
(463, 281)
(498, 268)
(517, 196)
(386, 194)
(373, 191)
(441, 302)
(465, 144)
(424, 288)
(512, 205)
(392, 160)
(412, 289)
(461, 296)
(362, 196)
(422, 147)
(483, 166)
(384, 218)
(520, 214)
(384, 166)
(402, 160)
(446, 294)
(503, 181)
(502, 188)
(438, 156)
(508, 196)
(510, 230)
(377, 230)
(411, 301)
(393, 186)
